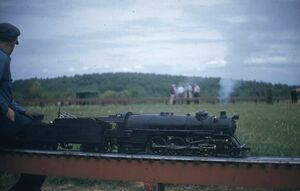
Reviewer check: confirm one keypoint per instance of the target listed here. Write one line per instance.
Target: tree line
(134, 85)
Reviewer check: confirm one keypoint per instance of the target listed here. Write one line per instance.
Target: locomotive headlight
(235, 117)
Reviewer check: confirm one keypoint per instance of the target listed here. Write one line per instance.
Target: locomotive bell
(200, 115)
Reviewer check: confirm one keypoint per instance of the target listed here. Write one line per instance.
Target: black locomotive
(161, 134)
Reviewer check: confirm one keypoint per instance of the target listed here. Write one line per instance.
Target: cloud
(236, 19)
(242, 19)
(271, 60)
(71, 69)
(212, 38)
(217, 63)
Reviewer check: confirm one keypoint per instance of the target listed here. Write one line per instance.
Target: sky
(238, 39)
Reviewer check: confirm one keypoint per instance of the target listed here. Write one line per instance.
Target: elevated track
(154, 171)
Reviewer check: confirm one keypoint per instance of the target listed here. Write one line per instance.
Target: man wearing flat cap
(13, 117)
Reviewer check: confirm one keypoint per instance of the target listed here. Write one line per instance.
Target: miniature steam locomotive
(159, 134)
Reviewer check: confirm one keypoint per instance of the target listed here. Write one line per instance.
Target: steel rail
(269, 172)
(287, 161)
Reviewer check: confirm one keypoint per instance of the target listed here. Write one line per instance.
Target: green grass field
(268, 129)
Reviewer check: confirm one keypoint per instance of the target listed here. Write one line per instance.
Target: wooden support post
(150, 186)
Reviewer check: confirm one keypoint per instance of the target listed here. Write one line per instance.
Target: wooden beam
(154, 171)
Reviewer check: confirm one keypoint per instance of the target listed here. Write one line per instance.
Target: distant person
(180, 93)
(294, 96)
(172, 94)
(13, 117)
(257, 97)
(188, 93)
(196, 93)
(269, 96)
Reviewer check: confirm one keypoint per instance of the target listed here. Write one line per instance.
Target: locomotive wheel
(157, 145)
(234, 153)
(65, 146)
(177, 146)
(89, 148)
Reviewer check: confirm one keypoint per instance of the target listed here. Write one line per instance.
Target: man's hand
(11, 114)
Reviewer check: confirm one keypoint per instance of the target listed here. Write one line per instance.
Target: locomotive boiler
(160, 134)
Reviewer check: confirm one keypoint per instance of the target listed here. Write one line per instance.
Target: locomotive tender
(160, 134)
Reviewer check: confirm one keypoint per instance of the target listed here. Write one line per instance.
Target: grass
(268, 129)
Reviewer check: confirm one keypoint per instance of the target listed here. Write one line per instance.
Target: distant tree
(136, 90)
(124, 94)
(110, 94)
(33, 90)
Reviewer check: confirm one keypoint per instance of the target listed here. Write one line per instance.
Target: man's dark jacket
(6, 96)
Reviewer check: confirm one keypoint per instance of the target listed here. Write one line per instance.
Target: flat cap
(9, 31)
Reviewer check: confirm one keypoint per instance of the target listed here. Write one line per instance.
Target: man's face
(12, 46)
